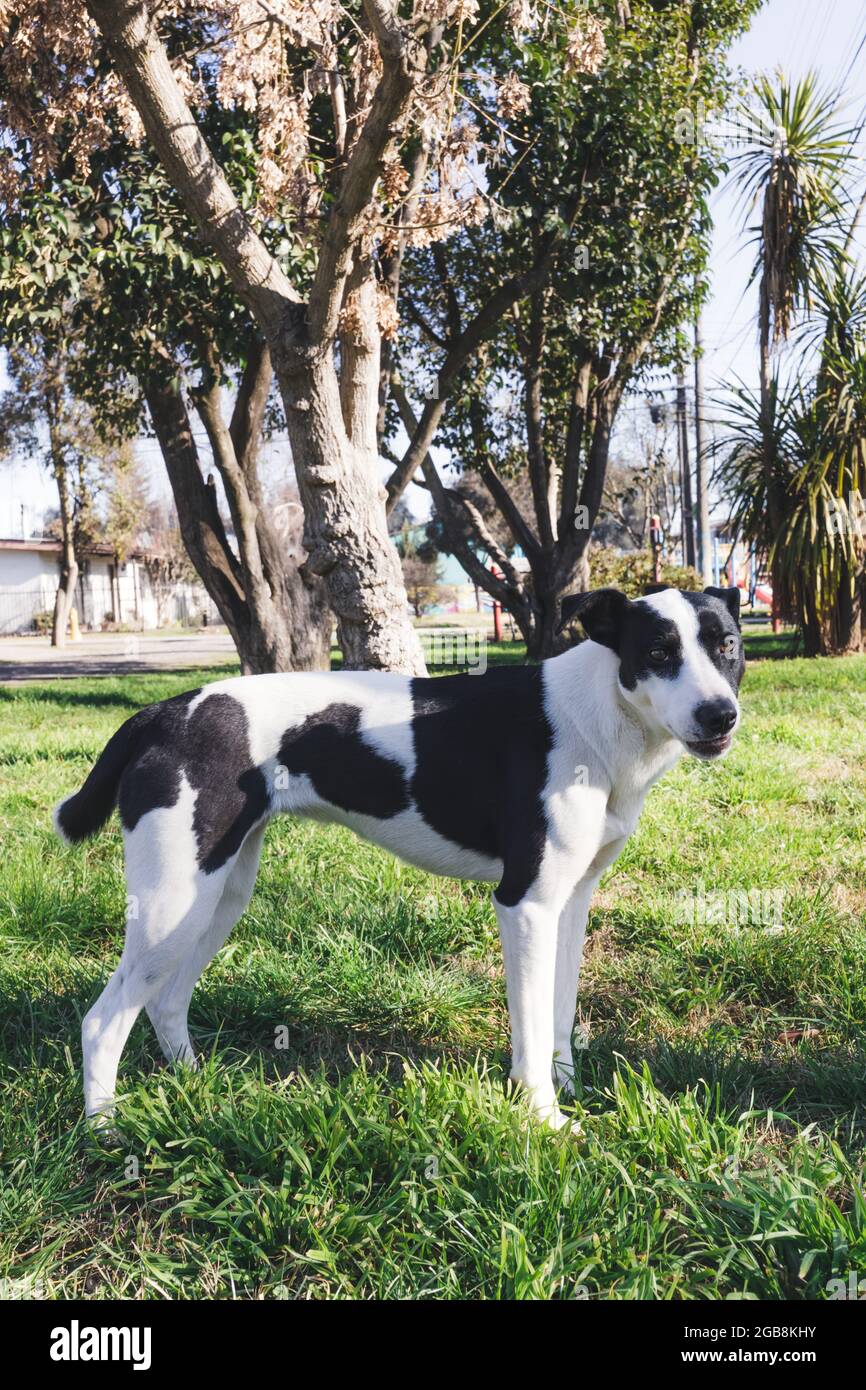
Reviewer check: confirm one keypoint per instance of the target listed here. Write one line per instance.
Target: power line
(850, 67)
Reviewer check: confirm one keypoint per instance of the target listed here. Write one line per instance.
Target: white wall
(28, 583)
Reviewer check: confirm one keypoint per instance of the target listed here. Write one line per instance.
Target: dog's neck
(584, 695)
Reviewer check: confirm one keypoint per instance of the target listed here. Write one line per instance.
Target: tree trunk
(842, 632)
(848, 618)
(346, 534)
(68, 563)
(774, 502)
(345, 531)
(281, 627)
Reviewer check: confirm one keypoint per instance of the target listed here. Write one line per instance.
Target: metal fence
(186, 605)
(19, 609)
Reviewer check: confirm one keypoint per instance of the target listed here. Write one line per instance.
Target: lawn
(350, 1133)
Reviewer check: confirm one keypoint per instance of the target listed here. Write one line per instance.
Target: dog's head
(680, 658)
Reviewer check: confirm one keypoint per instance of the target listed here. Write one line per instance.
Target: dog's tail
(79, 816)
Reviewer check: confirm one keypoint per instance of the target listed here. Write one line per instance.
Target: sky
(795, 35)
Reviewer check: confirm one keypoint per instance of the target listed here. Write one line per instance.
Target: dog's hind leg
(171, 905)
(168, 1009)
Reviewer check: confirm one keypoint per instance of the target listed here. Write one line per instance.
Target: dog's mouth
(710, 747)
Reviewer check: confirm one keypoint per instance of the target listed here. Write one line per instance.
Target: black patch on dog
(719, 634)
(481, 751)
(211, 749)
(151, 778)
(330, 748)
(82, 814)
(645, 631)
(232, 794)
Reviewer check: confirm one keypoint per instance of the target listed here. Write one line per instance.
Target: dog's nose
(716, 717)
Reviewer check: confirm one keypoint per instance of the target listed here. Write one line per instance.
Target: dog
(528, 777)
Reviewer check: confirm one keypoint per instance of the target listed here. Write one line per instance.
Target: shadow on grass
(811, 1084)
(56, 693)
(827, 1086)
(762, 644)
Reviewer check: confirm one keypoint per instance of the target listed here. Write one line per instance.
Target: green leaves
(793, 174)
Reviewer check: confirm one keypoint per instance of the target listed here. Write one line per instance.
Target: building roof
(49, 545)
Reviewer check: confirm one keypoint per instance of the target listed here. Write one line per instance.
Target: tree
(126, 500)
(530, 328)
(421, 567)
(362, 117)
(792, 172)
(41, 415)
(158, 327)
(816, 449)
(338, 96)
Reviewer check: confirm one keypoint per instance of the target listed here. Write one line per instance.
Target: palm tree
(810, 444)
(792, 172)
(825, 536)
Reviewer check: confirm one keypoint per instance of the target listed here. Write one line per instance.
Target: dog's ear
(730, 598)
(654, 589)
(600, 612)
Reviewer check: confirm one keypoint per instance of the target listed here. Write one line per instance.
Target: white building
(109, 595)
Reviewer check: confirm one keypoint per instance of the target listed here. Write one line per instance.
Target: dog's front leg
(570, 935)
(528, 932)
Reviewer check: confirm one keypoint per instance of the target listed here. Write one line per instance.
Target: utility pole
(705, 560)
(685, 474)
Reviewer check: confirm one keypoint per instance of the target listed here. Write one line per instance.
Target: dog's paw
(103, 1129)
(563, 1123)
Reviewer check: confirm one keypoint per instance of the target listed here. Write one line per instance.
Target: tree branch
(140, 56)
(242, 507)
(345, 223)
(201, 525)
(248, 415)
(538, 463)
(517, 524)
(508, 590)
(573, 445)
(477, 332)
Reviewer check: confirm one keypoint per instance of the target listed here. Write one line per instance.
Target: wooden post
(685, 475)
(705, 568)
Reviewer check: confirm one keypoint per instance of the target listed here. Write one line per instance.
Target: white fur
(609, 746)
(55, 818)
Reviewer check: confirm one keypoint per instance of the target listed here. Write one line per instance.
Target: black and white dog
(529, 777)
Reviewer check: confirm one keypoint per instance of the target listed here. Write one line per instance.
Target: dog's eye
(658, 655)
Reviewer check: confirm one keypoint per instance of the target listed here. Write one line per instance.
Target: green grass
(350, 1133)
(761, 643)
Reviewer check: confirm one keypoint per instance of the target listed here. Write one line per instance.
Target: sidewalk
(112, 654)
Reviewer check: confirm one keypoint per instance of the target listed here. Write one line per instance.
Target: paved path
(112, 654)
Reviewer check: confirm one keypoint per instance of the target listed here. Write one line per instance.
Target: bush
(633, 571)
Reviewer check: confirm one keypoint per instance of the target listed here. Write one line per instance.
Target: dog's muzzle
(715, 721)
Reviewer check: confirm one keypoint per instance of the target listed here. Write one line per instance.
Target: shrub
(633, 571)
